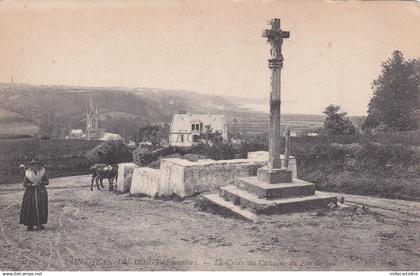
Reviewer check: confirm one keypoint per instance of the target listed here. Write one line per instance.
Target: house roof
(76, 131)
(182, 122)
(110, 137)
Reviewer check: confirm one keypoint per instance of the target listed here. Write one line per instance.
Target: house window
(195, 127)
(182, 138)
(196, 138)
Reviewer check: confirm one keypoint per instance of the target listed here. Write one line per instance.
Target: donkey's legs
(97, 182)
(91, 183)
(101, 179)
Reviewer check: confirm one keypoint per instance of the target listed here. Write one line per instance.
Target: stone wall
(210, 175)
(185, 178)
(125, 172)
(146, 181)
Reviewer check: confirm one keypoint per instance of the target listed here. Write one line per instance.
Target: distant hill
(23, 108)
(65, 106)
(249, 104)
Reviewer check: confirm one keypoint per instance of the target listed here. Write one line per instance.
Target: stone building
(76, 134)
(107, 136)
(93, 132)
(187, 129)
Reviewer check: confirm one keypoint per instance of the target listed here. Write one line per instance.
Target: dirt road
(100, 230)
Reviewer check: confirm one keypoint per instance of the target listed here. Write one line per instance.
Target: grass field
(384, 165)
(16, 129)
(61, 157)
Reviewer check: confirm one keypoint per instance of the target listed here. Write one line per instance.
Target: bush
(354, 164)
(61, 157)
(336, 122)
(110, 152)
(365, 168)
(143, 156)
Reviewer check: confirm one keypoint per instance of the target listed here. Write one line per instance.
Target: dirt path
(100, 230)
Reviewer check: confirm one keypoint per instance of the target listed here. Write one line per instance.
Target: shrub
(336, 122)
(61, 157)
(342, 163)
(110, 152)
(143, 156)
(387, 170)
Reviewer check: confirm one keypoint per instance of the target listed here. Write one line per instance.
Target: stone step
(245, 199)
(228, 206)
(282, 190)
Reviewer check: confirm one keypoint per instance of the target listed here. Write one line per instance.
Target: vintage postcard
(173, 135)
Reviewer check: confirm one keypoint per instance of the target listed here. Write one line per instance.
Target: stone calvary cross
(273, 190)
(275, 37)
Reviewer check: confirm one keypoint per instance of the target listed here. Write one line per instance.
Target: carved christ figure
(275, 37)
(276, 43)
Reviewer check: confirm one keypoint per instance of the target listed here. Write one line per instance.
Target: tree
(148, 134)
(337, 123)
(395, 95)
(211, 137)
(46, 125)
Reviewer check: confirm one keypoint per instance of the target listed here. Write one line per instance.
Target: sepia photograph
(201, 135)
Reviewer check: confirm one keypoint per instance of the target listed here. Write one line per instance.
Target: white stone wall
(209, 176)
(172, 176)
(167, 180)
(185, 178)
(145, 181)
(125, 171)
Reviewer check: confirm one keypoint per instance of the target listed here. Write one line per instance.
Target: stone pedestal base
(274, 176)
(251, 197)
(274, 162)
(272, 191)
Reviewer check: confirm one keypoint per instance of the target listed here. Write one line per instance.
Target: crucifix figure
(275, 37)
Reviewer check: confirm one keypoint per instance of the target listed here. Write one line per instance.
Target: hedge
(61, 157)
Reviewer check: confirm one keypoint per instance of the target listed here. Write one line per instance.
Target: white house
(185, 129)
(107, 136)
(76, 134)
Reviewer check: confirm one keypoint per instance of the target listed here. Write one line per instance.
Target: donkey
(101, 171)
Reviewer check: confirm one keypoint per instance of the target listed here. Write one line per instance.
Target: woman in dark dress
(35, 200)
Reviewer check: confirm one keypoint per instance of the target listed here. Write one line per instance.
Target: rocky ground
(100, 230)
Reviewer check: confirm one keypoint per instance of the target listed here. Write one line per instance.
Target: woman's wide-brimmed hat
(35, 161)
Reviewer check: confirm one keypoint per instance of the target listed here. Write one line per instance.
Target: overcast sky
(334, 52)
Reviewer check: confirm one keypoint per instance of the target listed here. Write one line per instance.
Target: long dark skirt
(28, 213)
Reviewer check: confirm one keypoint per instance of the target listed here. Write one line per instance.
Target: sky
(334, 52)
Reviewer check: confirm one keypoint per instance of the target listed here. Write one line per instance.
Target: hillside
(25, 107)
(65, 106)
(152, 105)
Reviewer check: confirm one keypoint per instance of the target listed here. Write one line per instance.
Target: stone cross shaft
(275, 37)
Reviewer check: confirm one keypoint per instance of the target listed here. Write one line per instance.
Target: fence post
(287, 149)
